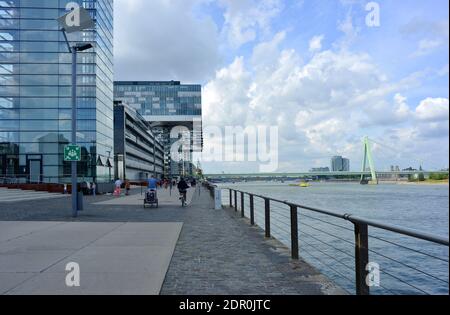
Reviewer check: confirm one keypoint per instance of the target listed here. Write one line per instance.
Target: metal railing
(300, 227)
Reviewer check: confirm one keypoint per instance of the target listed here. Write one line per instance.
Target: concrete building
(174, 111)
(35, 92)
(138, 153)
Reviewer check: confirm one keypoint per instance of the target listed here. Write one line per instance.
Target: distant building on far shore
(320, 170)
(340, 164)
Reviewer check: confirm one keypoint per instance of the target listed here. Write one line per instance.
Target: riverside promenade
(123, 248)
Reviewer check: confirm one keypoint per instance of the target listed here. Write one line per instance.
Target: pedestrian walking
(94, 189)
(127, 187)
(118, 185)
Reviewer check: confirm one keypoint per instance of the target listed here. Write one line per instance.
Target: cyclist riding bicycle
(182, 188)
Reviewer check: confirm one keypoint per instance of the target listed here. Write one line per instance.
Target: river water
(407, 265)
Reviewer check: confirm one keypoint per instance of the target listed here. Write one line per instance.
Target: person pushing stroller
(151, 197)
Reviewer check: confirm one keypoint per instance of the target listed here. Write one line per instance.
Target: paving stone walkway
(217, 252)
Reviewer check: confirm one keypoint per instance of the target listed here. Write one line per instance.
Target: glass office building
(159, 101)
(35, 92)
(165, 105)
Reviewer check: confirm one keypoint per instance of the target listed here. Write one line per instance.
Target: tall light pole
(77, 20)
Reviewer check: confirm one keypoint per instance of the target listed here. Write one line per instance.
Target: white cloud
(163, 40)
(245, 19)
(385, 113)
(225, 98)
(265, 54)
(401, 107)
(323, 107)
(350, 31)
(433, 109)
(315, 44)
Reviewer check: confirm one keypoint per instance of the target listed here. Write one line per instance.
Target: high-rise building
(35, 92)
(336, 163)
(345, 165)
(340, 164)
(166, 105)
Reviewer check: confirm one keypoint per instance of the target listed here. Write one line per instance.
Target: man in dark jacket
(183, 187)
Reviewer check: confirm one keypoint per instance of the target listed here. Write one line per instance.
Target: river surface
(407, 265)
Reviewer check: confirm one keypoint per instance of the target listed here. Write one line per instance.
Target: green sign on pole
(72, 153)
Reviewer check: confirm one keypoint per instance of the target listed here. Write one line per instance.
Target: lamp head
(83, 47)
(76, 20)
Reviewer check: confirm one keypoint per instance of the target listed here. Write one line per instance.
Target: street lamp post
(82, 22)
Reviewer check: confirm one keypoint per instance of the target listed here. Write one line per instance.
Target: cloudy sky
(313, 68)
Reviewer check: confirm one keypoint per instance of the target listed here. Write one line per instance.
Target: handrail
(361, 234)
(356, 219)
(401, 230)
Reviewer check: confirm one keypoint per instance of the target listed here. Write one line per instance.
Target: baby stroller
(151, 198)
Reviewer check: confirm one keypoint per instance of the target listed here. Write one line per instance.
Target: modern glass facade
(166, 104)
(161, 99)
(35, 92)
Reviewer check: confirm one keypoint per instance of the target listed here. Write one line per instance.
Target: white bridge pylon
(368, 157)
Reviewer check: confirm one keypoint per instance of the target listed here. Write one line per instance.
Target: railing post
(252, 210)
(235, 201)
(267, 217)
(361, 258)
(242, 205)
(231, 198)
(294, 232)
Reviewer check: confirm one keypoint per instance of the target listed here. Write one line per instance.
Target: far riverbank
(427, 182)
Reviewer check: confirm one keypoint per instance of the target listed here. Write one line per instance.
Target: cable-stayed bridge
(368, 174)
(321, 174)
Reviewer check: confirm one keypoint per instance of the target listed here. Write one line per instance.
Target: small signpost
(72, 153)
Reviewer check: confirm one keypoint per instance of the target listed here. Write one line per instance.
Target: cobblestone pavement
(217, 252)
(220, 253)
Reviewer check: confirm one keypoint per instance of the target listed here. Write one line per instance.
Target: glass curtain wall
(35, 92)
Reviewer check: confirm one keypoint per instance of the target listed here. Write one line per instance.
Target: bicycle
(183, 198)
